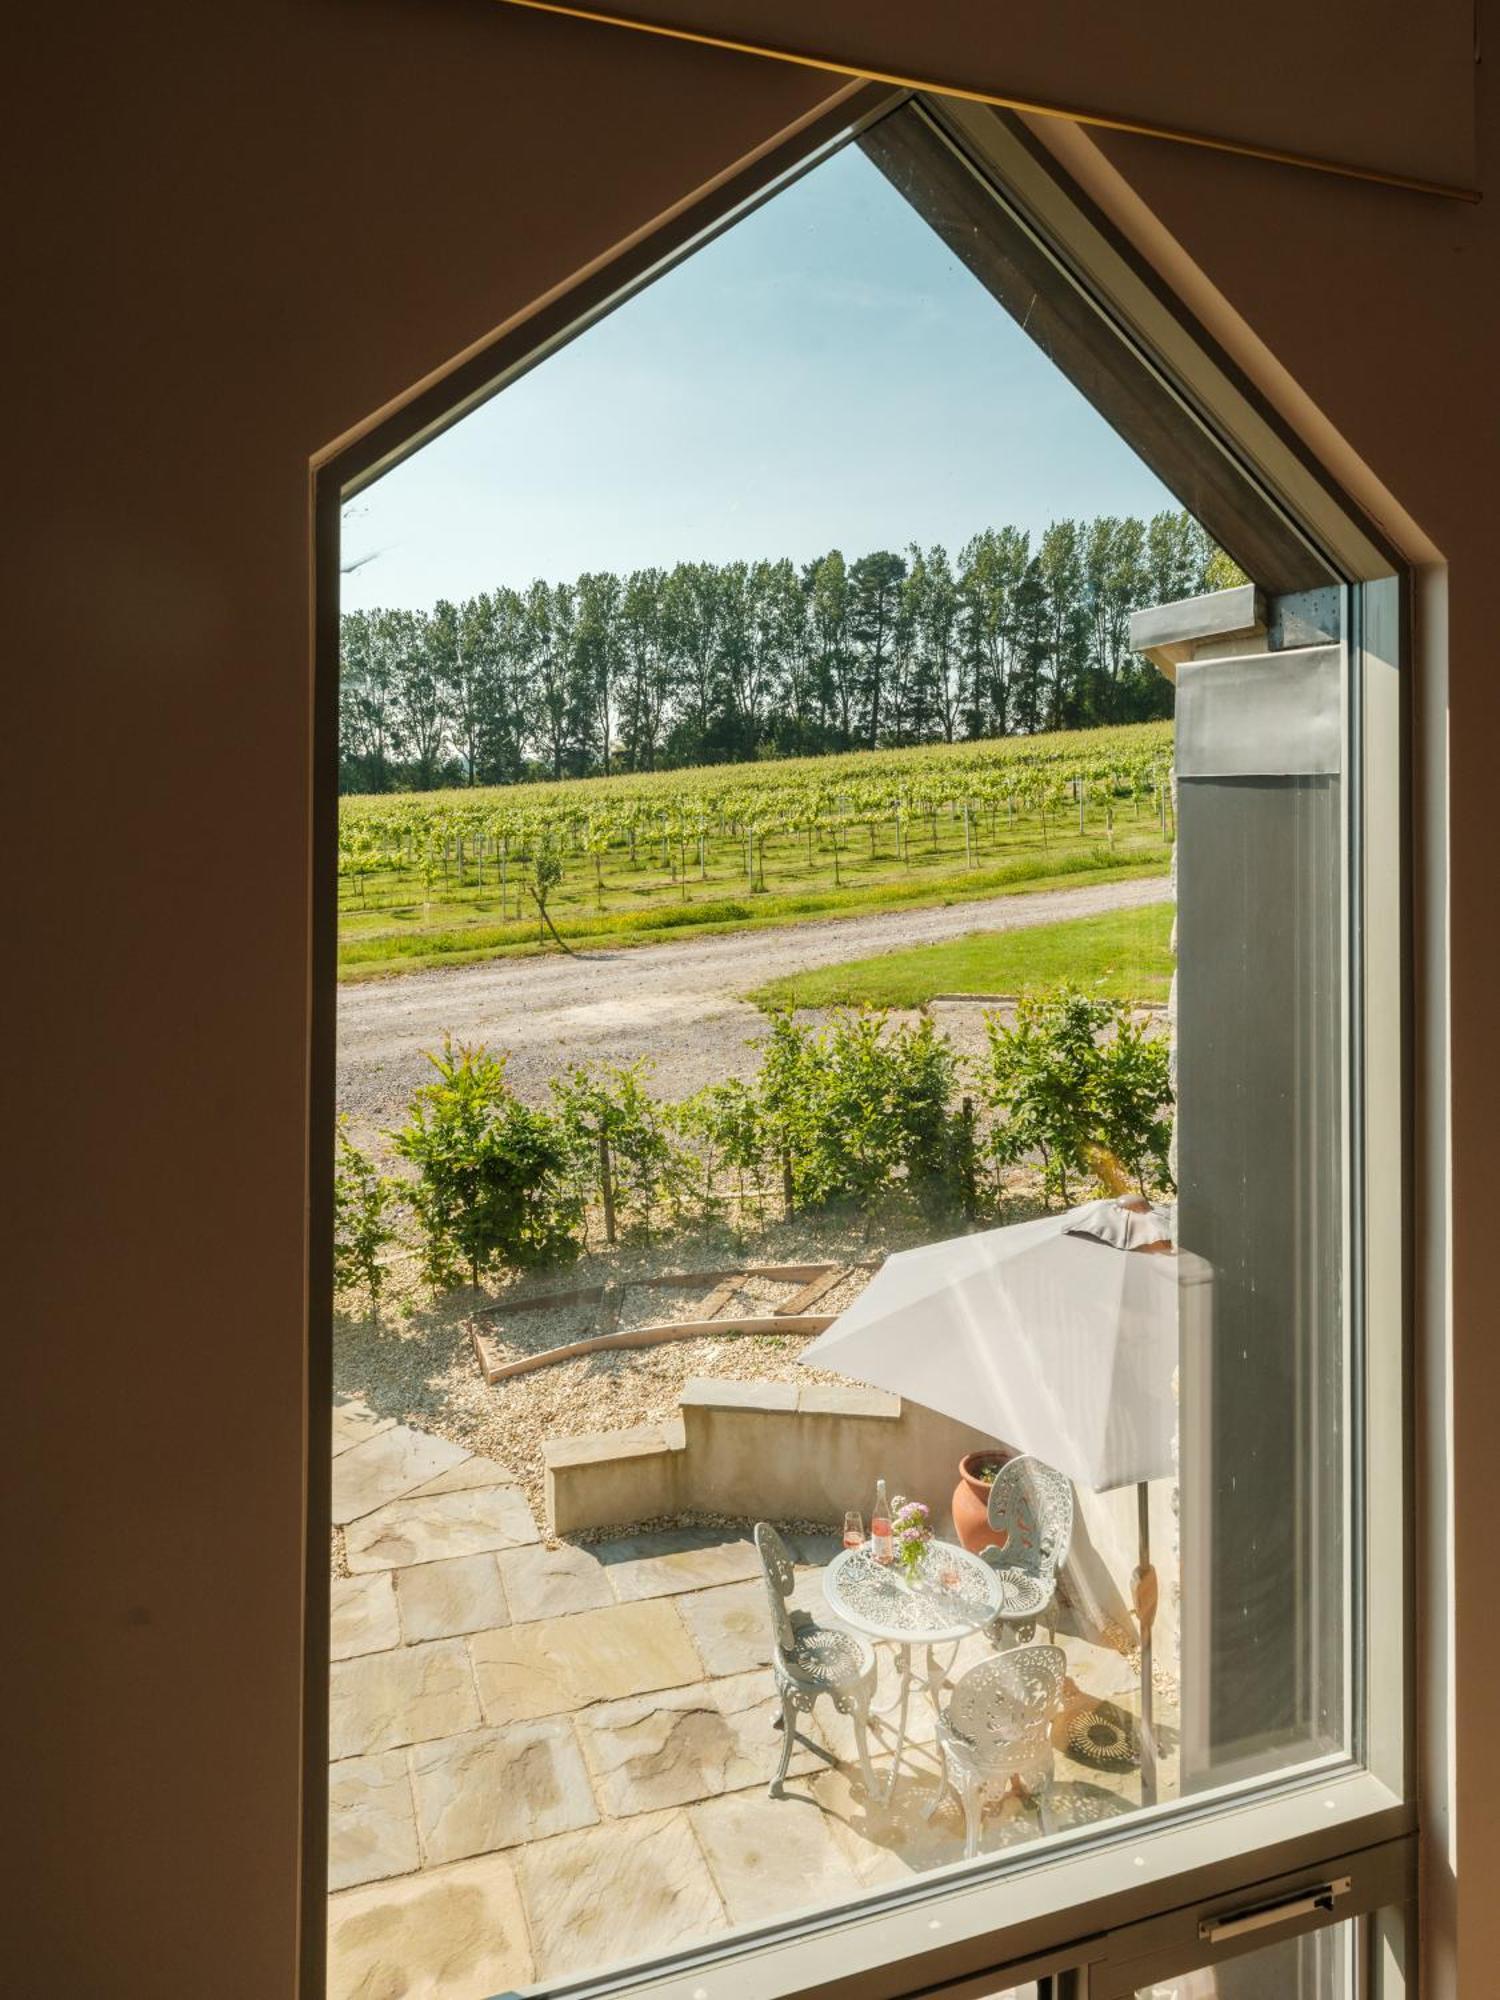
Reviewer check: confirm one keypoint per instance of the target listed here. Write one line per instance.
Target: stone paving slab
(354, 1421)
(448, 1934)
(442, 1600)
(770, 1857)
(686, 1744)
(731, 1626)
(561, 1664)
(406, 1695)
(387, 1466)
(493, 1788)
(464, 1478)
(550, 1583)
(362, 1617)
(599, 1899)
(440, 1524)
(677, 1560)
(372, 1830)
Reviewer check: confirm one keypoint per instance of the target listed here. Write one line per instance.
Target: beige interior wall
(239, 230)
(1379, 83)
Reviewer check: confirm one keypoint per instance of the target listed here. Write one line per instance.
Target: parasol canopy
(1041, 1334)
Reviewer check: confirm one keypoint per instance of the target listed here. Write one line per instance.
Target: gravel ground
(417, 1364)
(676, 1003)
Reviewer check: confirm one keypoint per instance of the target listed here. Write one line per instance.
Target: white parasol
(1055, 1337)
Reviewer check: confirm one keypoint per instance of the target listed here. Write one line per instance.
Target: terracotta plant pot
(971, 1501)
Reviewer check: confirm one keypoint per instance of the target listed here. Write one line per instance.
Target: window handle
(1304, 1903)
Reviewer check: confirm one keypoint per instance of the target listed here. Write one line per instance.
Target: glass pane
(844, 1331)
(1319, 1967)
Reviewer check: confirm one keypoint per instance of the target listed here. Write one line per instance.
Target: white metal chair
(1032, 1505)
(998, 1724)
(811, 1660)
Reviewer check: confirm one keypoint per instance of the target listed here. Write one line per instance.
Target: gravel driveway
(677, 1003)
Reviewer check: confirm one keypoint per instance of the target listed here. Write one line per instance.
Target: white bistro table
(953, 1594)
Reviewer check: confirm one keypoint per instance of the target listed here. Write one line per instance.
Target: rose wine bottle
(880, 1525)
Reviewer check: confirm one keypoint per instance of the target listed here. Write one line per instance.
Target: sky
(825, 374)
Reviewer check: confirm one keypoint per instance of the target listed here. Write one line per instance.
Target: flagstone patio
(549, 1760)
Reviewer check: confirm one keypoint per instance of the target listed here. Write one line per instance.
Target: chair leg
(862, 1749)
(788, 1739)
(929, 1811)
(969, 1792)
(900, 1738)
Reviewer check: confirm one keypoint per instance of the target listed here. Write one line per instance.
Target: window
(1120, 1229)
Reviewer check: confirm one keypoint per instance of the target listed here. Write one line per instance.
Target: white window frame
(1105, 1898)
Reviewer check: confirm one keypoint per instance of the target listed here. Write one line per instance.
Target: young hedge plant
(1071, 1077)
(496, 1185)
(362, 1230)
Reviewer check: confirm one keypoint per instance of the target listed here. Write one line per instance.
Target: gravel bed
(417, 1365)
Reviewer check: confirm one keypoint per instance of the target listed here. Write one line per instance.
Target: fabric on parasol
(1041, 1334)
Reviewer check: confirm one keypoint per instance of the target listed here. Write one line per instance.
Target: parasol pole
(1144, 1591)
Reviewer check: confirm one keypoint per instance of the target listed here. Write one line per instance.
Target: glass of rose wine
(854, 1529)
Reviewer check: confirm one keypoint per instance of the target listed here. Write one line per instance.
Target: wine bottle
(880, 1525)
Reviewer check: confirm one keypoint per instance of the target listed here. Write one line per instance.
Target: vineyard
(439, 876)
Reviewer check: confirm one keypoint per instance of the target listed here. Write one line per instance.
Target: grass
(376, 953)
(1123, 956)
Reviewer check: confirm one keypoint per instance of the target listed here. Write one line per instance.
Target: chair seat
(1023, 1594)
(826, 1656)
(1027, 1755)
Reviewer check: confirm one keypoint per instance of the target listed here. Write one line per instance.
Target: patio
(546, 1760)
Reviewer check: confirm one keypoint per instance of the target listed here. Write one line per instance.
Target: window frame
(943, 1935)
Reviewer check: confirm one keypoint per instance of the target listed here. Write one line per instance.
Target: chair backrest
(1032, 1504)
(781, 1577)
(1011, 1698)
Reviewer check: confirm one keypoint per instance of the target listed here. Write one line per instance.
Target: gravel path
(677, 1003)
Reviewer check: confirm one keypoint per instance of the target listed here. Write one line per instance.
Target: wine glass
(854, 1529)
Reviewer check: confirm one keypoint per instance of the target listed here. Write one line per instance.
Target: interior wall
(1377, 83)
(241, 230)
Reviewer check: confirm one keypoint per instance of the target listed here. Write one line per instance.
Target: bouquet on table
(911, 1531)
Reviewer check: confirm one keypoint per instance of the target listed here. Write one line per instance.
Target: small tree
(546, 874)
(1133, 1096)
(863, 1111)
(495, 1184)
(362, 1229)
(727, 1122)
(621, 1141)
(1073, 1076)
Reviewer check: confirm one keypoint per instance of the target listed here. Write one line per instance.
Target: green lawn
(371, 949)
(1124, 956)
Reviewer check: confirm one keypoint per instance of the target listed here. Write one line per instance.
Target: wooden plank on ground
(538, 1301)
(486, 1353)
(811, 1293)
(655, 1336)
(720, 1297)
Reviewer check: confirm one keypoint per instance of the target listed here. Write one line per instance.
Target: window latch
(1303, 1903)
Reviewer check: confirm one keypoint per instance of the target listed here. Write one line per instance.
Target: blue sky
(825, 374)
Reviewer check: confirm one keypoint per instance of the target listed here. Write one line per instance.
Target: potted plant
(971, 1498)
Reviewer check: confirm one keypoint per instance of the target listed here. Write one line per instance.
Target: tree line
(729, 662)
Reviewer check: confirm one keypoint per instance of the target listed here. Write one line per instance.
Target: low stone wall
(781, 1452)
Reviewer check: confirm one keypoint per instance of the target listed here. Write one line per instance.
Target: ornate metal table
(953, 1594)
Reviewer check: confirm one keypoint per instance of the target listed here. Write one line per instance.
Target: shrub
(621, 1142)
(495, 1181)
(726, 1123)
(860, 1111)
(362, 1229)
(1132, 1089)
(1073, 1076)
